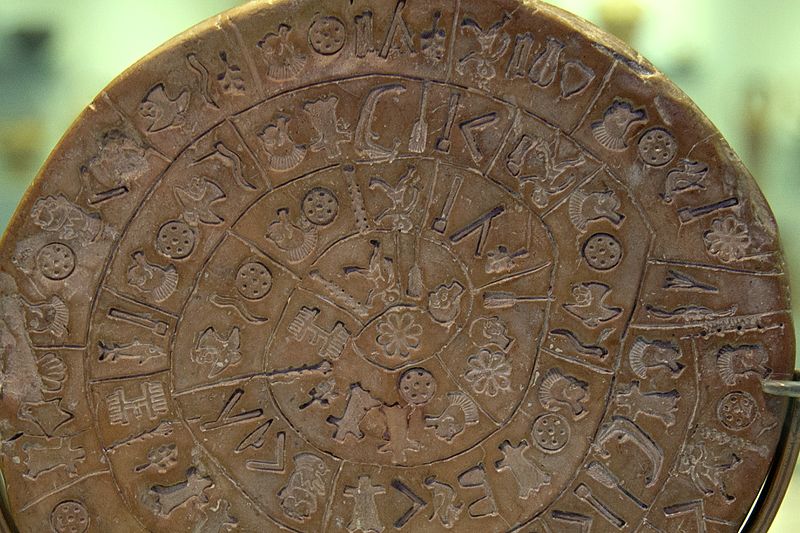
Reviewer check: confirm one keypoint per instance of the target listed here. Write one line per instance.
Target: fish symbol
(136, 350)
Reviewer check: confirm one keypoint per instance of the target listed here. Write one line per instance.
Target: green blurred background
(738, 59)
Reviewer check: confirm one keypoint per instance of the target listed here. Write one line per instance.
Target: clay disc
(391, 265)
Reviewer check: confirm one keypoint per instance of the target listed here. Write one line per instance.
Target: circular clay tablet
(393, 265)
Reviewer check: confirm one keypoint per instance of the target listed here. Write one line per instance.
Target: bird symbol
(589, 304)
(196, 200)
(163, 111)
(688, 176)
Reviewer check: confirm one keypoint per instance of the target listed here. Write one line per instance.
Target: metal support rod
(776, 387)
(766, 505)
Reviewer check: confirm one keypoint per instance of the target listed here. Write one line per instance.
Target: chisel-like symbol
(505, 300)
(687, 214)
(419, 133)
(440, 224)
(585, 493)
(444, 143)
(583, 522)
(600, 473)
(159, 327)
(101, 197)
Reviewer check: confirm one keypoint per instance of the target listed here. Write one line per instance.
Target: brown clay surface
(378, 265)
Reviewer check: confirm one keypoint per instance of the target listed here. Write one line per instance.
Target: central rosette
(412, 295)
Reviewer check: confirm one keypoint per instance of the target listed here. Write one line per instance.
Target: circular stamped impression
(657, 147)
(551, 432)
(417, 386)
(737, 410)
(56, 261)
(175, 240)
(253, 280)
(70, 517)
(422, 266)
(602, 251)
(320, 206)
(327, 35)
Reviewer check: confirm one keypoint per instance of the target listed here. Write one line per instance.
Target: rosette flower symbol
(489, 372)
(399, 334)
